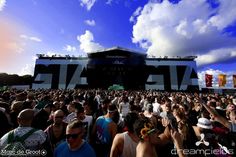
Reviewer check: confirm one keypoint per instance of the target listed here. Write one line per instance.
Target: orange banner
(234, 81)
(221, 80)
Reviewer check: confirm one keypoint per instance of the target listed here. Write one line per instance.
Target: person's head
(105, 104)
(61, 97)
(113, 113)
(21, 96)
(16, 106)
(148, 108)
(232, 115)
(76, 98)
(87, 107)
(231, 112)
(79, 109)
(74, 134)
(71, 106)
(204, 124)
(56, 104)
(204, 113)
(125, 98)
(111, 109)
(6, 96)
(167, 106)
(49, 107)
(25, 117)
(30, 96)
(146, 131)
(58, 116)
(197, 106)
(129, 120)
(179, 113)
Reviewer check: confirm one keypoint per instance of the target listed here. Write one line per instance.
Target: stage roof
(115, 52)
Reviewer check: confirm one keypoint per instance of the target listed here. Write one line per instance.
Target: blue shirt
(103, 135)
(84, 151)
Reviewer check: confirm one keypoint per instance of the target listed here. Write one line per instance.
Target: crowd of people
(103, 123)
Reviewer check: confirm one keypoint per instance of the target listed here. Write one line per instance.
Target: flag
(208, 79)
(234, 81)
(221, 80)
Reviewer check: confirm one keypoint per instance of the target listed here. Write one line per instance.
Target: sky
(202, 28)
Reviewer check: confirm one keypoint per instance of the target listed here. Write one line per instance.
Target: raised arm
(178, 142)
(216, 115)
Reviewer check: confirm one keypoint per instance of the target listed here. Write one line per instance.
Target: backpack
(16, 145)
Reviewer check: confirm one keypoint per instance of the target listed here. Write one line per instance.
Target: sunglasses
(73, 136)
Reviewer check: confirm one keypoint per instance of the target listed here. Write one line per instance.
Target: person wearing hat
(204, 123)
(231, 123)
(204, 132)
(202, 126)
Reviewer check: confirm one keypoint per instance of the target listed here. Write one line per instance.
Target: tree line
(14, 79)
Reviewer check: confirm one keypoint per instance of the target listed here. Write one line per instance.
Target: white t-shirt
(156, 108)
(124, 108)
(70, 117)
(87, 122)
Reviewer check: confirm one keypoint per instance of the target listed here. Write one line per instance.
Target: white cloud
(136, 13)
(2, 4)
(90, 22)
(87, 43)
(185, 28)
(69, 48)
(27, 70)
(53, 53)
(87, 3)
(215, 73)
(218, 55)
(226, 14)
(35, 39)
(34, 58)
(32, 38)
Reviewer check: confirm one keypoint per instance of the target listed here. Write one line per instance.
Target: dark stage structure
(132, 70)
(116, 66)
